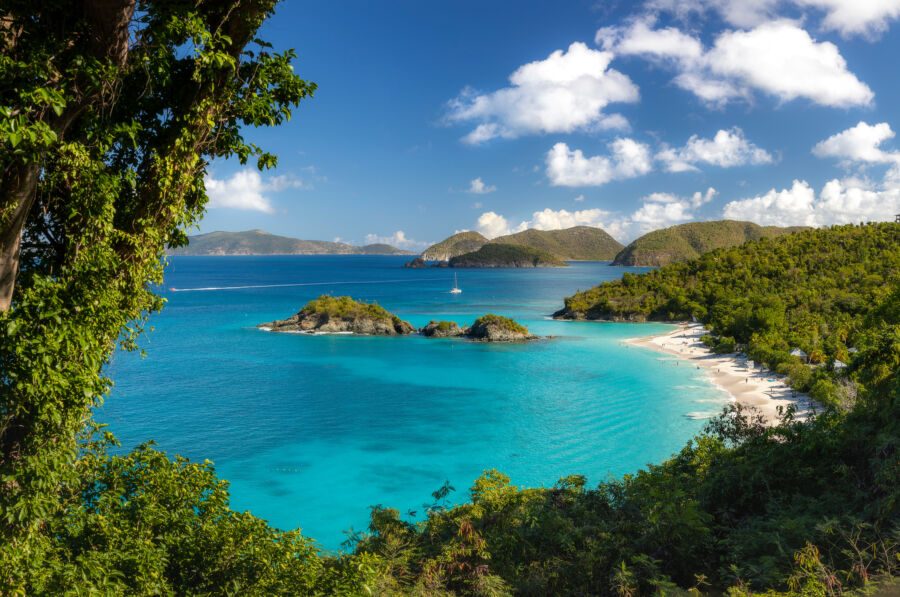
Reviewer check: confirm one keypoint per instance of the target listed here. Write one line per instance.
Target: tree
(110, 111)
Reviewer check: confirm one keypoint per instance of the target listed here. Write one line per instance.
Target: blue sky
(436, 117)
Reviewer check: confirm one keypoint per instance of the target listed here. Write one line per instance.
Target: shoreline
(758, 386)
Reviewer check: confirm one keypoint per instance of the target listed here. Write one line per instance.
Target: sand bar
(748, 383)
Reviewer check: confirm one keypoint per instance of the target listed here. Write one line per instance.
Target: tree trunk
(19, 187)
(109, 36)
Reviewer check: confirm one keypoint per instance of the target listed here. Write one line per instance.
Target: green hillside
(805, 290)
(259, 242)
(461, 242)
(581, 243)
(687, 241)
(501, 255)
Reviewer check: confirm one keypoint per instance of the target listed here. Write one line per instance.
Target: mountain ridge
(260, 242)
(578, 243)
(687, 241)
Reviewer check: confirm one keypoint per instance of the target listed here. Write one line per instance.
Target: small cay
(496, 328)
(342, 314)
(336, 314)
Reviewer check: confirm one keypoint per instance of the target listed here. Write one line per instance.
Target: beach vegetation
(811, 289)
(504, 323)
(108, 119)
(344, 307)
(505, 255)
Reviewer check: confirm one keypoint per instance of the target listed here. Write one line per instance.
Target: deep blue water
(311, 430)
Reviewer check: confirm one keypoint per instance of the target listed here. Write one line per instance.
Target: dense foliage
(688, 241)
(580, 243)
(809, 290)
(344, 307)
(500, 255)
(504, 323)
(802, 508)
(458, 244)
(109, 113)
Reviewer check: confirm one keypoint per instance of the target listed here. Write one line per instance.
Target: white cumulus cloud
(477, 187)
(861, 143)
(660, 210)
(567, 91)
(246, 190)
(848, 17)
(492, 225)
(856, 17)
(778, 57)
(567, 167)
(741, 13)
(839, 202)
(657, 210)
(397, 239)
(726, 149)
(548, 219)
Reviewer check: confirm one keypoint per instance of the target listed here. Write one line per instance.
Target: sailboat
(455, 289)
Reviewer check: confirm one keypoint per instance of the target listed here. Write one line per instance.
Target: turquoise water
(311, 430)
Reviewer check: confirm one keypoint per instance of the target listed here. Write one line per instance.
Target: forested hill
(457, 244)
(579, 243)
(807, 290)
(687, 241)
(503, 255)
(259, 242)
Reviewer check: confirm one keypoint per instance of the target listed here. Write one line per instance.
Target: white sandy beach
(758, 386)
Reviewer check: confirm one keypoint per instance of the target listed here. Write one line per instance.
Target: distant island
(580, 243)
(688, 241)
(343, 315)
(503, 255)
(458, 244)
(260, 242)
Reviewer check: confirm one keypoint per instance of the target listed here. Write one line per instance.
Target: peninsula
(791, 303)
(260, 242)
(502, 255)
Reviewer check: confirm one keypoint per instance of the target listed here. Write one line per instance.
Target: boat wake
(298, 284)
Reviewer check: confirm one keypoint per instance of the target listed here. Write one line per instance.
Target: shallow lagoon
(311, 430)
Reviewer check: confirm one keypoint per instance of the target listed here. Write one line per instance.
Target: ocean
(312, 430)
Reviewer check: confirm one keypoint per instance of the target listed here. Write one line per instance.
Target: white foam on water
(299, 284)
(700, 415)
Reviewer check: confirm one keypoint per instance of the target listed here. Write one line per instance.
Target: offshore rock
(335, 315)
(443, 329)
